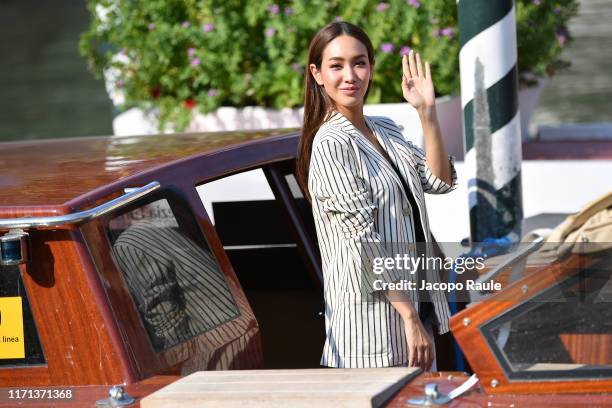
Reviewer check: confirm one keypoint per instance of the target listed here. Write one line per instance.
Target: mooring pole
(492, 127)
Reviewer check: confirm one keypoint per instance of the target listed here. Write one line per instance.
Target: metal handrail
(81, 216)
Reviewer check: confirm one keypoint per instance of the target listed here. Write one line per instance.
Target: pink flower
(382, 7)
(562, 35)
(288, 11)
(536, 2)
(270, 32)
(151, 26)
(195, 62)
(212, 92)
(273, 8)
(185, 24)
(448, 32)
(405, 50)
(338, 18)
(191, 52)
(413, 3)
(386, 47)
(208, 27)
(562, 39)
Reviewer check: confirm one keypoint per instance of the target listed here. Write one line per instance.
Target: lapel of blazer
(391, 146)
(366, 146)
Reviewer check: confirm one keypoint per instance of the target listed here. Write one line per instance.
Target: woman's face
(345, 72)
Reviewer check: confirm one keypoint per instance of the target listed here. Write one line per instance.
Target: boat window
(172, 275)
(563, 332)
(19, 341)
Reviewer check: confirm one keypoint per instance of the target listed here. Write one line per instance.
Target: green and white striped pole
(492, 127)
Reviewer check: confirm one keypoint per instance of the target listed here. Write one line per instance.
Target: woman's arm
(418, 90)
(435, 152)
(420, 346)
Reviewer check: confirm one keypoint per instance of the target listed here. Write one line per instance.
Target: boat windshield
(564, 330)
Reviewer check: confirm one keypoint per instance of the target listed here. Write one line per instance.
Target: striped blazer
(358, 198)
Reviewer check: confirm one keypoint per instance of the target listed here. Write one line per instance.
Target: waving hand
(417, 86)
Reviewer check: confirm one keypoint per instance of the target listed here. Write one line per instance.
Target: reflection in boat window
(175, 281)
(566, 331)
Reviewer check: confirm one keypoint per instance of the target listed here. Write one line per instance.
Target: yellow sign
(11, 328)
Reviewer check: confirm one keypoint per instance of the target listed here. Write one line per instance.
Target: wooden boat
(75, 213)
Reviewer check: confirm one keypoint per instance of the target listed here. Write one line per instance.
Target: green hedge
(178, 56)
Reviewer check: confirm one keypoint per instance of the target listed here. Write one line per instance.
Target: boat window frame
(145, 360)
(467, 328)
(544, 375)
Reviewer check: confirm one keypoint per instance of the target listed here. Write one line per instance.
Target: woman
(366, 185)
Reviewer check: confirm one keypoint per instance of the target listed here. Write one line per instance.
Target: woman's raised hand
(417, 86)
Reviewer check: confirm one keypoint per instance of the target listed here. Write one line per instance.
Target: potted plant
(179, 59)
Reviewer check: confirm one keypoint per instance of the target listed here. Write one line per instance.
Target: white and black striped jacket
(357, 198)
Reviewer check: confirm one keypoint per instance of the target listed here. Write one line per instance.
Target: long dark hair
(318, 106)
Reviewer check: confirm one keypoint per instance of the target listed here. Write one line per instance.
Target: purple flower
(195, 62)
(448, 32)
(288, 11)
(386, 47)
(338, 18)
(557, 10)
(190, 52)
(382, 7)
(208, 27)
(273, 8)
(270, 32)
(185, 24)
(212, 92)
(405, 50)
(151, 26)
(413, 3)
(536, 2)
